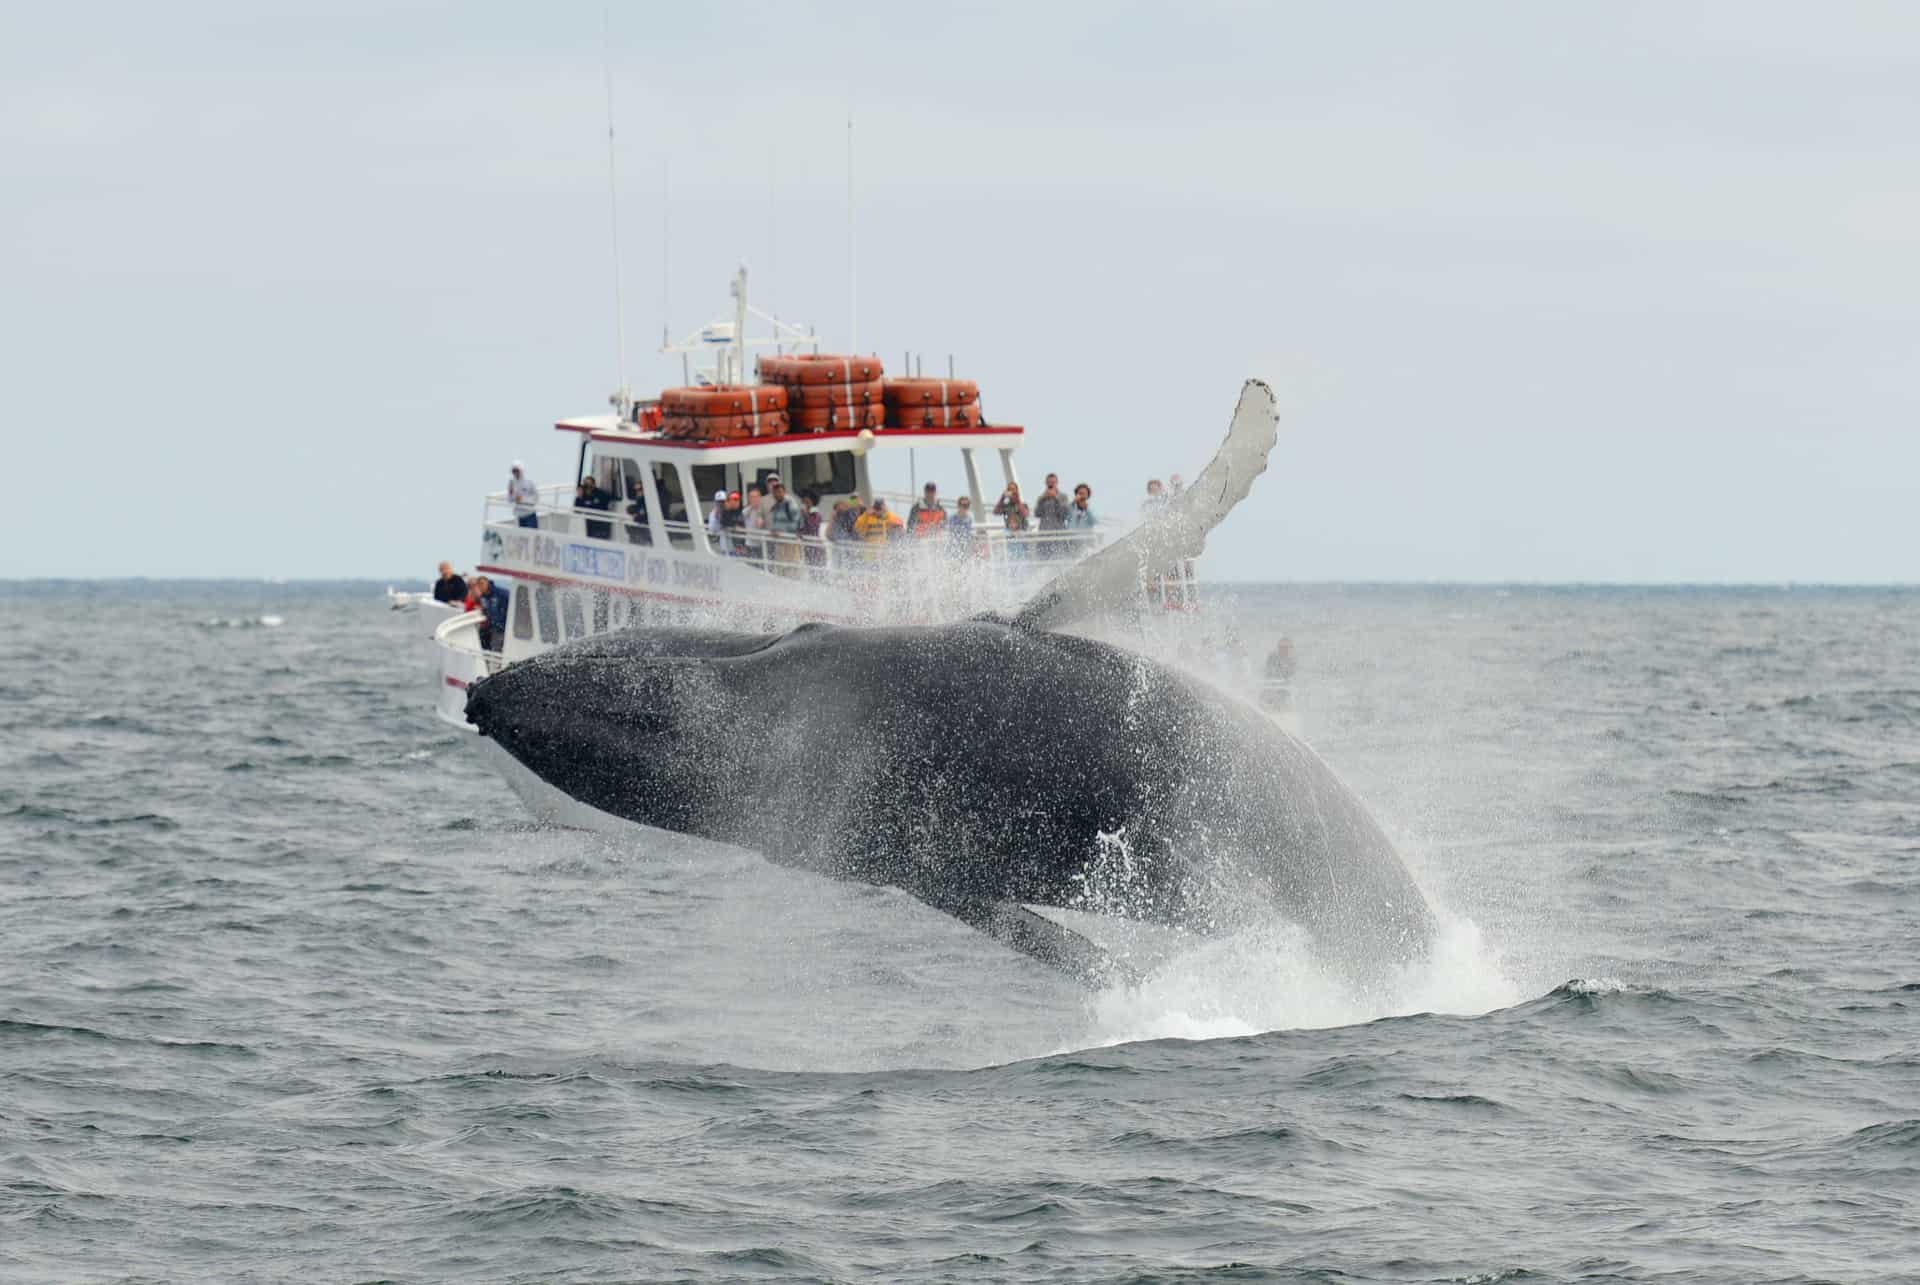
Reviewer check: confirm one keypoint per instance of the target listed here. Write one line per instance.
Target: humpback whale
(993, 768)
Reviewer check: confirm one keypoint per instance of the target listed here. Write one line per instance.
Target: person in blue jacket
(491, 600)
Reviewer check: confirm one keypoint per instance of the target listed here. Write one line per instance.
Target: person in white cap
(716, 529)
(524, 494)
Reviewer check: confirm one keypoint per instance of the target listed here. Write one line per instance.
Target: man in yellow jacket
(877, 525)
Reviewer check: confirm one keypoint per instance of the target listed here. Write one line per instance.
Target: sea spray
(1269, 978)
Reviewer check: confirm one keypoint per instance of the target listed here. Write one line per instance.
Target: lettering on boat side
(606, 564)
(667, 572)
(696, 577)
(618, 565)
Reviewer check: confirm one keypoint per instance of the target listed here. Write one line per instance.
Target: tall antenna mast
(666, 252)
(623, 399)
(772, 229)
(853, 328)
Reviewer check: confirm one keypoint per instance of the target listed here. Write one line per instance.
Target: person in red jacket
(928, 515)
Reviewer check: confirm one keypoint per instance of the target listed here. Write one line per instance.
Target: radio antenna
(853, 328)
(624, 397)
(666, 251)
(773, 239)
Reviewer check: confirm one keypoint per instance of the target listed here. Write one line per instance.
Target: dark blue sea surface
(292, 989)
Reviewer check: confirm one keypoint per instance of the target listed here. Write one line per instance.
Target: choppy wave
(293, 988)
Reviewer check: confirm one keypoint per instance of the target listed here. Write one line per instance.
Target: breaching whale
(991, 768)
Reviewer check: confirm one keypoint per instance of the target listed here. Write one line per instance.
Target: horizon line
(1373, 583)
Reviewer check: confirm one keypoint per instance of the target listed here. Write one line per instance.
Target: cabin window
(633, 492)
(573, 613)
(601, 606)
(605, 472)
(707, 478)
(543, 608)
(522, 612)
(631, 488)
(829, 474)
(667, 479)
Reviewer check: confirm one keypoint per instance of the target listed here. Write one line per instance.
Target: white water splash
(1597, 986)
(244, 622)
(1269, 979)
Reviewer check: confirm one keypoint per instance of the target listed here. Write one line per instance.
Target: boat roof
(613, 431)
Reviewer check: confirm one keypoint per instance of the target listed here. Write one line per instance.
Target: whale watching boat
(643, 536)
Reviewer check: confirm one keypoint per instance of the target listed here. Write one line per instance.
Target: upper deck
(612, 430)
(653, 521)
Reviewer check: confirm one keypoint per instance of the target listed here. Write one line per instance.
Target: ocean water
(291, 989)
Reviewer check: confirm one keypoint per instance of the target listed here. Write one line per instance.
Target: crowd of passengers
(735, 522)
(478, 593)
(735, 518)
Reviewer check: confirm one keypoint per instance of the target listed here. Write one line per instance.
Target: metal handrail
(1018, 560)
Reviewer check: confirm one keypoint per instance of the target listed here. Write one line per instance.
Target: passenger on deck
(1050, 510)
(524, 494)
(783, 520)
(491, 601)
(588, 495)
(927, 515)
(846, 513)
(717, 533)
(1156, 498)
(753, 520)
(733, 523)
(1181, 572)
(877, 525)
(1080, 515)
(1014, 510)
(449, 587)
(809, 529)
(960, 528)
(1051, 515)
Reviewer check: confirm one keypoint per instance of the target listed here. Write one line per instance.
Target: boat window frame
(546, 611)
(523, 612)
(573, 609)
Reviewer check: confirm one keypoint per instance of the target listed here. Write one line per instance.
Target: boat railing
(1041, 550)
(461, 634)
(556, 514)
(553, 509)
(1001, 565)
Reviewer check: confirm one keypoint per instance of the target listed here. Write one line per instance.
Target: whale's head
(637, 723)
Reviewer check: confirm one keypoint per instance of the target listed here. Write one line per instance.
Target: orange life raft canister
(819, 396)
(820, 368)
(931, 392)
(724, 399)
(820, 419)
(933, 417)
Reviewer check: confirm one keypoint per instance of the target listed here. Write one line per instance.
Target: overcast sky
(1610, 292)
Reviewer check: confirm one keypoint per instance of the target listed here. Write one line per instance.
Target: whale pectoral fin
(1033, 935)
(1112, 577)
